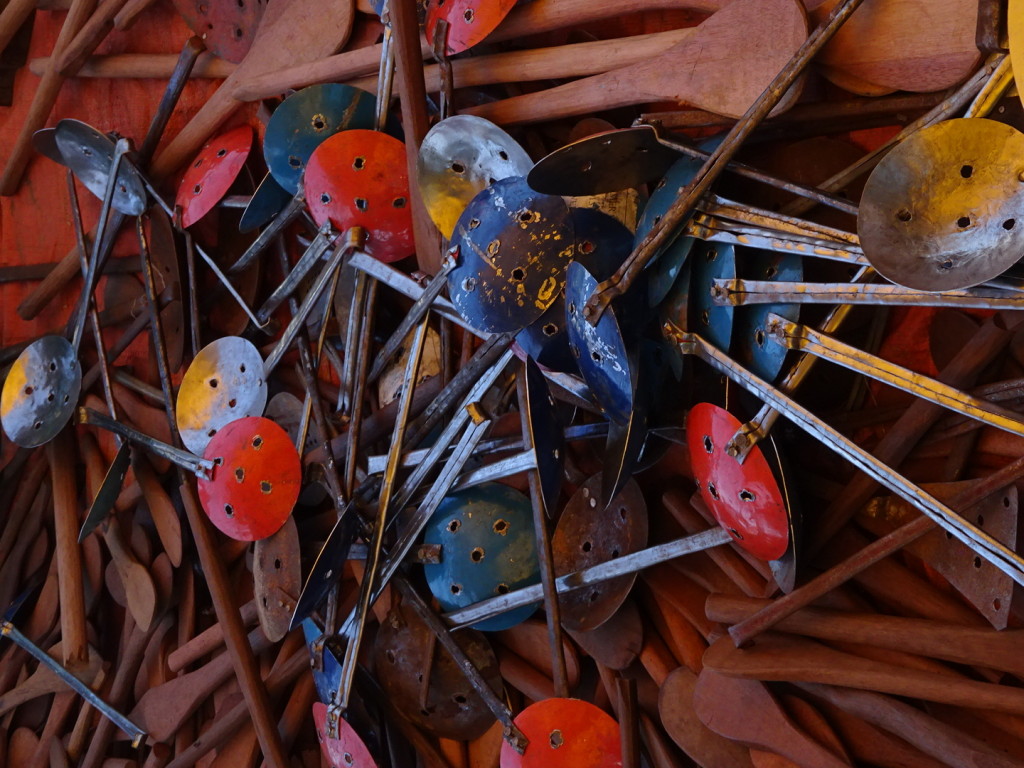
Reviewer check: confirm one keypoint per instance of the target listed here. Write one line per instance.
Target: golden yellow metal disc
(945, 209)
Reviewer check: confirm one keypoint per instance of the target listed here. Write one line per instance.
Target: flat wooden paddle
(744, 711)
(777, 657)
(908, 45)
(722, 68)
(291, 32)
(44, 681)
(679, 718)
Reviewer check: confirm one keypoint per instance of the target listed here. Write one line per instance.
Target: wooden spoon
(44, 681)
(744, 711)
(789, 659)
(680, 720)
(723, 68)
(162, 710)
(161, 509)
(291, 32)
(904, 44)
(616, 643)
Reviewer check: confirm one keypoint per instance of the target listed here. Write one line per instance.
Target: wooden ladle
(723, 67)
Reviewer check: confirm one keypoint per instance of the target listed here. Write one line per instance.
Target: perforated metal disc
(223, 383)
(709, 261)
(346, 751)
(469, 21)
(444, 704)
(40, 392)
(514, 245)
(565, 732)
(459, 157)
(212, 173)
(605, 162)
(89, 154)
(744, 498)
(266, 202)
(591, 532)
(487, 549)
(305, 120)
(600, 350)
(226, 26)
(253, 488)
(943, 210)
(602, 244)
(751, 346)
(44, 141)
(358, 178)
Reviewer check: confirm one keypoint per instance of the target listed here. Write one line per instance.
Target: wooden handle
(12, 17)
(207, 641)
(140, 65)
(964, 645)
(89, 37)
(161, 509)
(139, 589)
(801, 661)
(949, 746)
(43, 101)
(208, 119)
(128, 15)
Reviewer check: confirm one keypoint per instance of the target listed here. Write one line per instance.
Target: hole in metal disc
(29, 390)
(713, 491)
(977, 562)
(359, 163)
(468, 15)
(229, 510)
(586, 247)
(239, 474)
(398, 202)
(213, 383)
(454, 525)
(595, 356)
(1009, 224)
(232, 403)
(458, 167)
(518, 274)
(736, 534)
(318, 123)
(257, 442)
(966, 171)
(549, 329)
(221, 152)
(709, 446)
(266, 487)
(759, 337)
(500, 527)
(459, 698)
(904, 215)
(325, 198)
(746, 495)
(477, 554)
(197, 189)
(294, 162)
(503, 154)
(555, 739)
(963, 222)
(362, 204)
(587, 546)
(456, 589)
(502, 589)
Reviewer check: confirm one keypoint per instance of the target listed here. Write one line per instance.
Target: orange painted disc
(565, 732)
(359, 178)
(212, 173)
(255, 481)
(346, 751)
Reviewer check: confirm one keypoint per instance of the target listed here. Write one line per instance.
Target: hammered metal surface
(591, 532)
(487, 549)
(40, 392)
(223, 383)
(277, 579)
(256, 480)
(212, 173)
(744, 498)
(469, 21)
(226, 26)
(600, 350)
(514, 245)
(565, 732)
(358, 178)
(444, 704)
(943, 209)
(602, 244)
(305, 120)
(346, 751)
(751, 346)
(459, 157)
(89, 154)
(605, 162)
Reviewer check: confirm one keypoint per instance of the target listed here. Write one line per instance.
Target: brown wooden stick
(43, 101)
(89, 37)
(128, 15)
(140, 65)
(61, 454)
(237, 643)
(14, 14)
